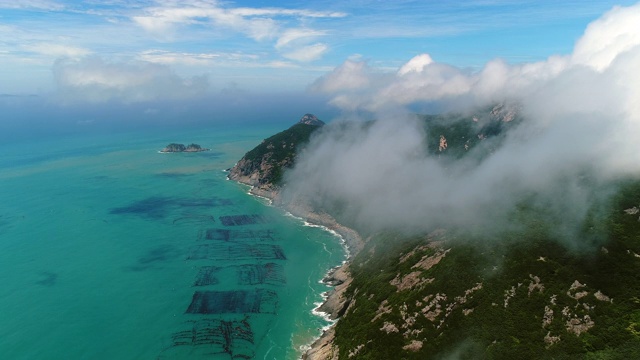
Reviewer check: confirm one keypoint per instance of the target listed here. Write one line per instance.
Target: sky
(577, 139)
(136, 51)
(108, 64)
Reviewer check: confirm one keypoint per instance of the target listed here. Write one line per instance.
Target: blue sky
(102, 65)
(201, 46)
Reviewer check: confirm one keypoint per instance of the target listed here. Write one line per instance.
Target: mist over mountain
(580, 116)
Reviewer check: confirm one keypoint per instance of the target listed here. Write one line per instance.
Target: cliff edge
(263, 166)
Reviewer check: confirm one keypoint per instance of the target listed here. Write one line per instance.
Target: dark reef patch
(195, 219)
(154, 256)
(157, 207)
(259, 301)
(233, 235)
(235, 220)
(47, 278)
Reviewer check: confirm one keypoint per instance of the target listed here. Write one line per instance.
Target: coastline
(334, 304)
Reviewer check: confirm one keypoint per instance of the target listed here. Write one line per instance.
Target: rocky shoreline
(336, 304)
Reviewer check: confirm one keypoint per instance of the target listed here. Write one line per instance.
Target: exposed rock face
(505, 112)
(310, 119)
(323, 348)
(443, 143)
(336, 304)
(254, 173)
(263, 166)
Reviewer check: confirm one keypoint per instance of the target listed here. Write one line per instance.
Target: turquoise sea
(111, 250)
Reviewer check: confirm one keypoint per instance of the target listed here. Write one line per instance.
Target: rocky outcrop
(173, 147)
(310, 119)
(263, 167)
(323, 348)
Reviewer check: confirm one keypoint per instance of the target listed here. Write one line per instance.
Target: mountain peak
(310, 119)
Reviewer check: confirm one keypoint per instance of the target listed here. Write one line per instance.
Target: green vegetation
(527, 292)
(466, 132)
(482, 326)
(277, 153)
(173, 147)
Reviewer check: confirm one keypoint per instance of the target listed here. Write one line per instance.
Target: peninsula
(173, 147)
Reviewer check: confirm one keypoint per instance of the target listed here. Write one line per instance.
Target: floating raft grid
(258, 301)
(237, 251)
(247, 274)
(217, 337)
(236, 220)
(234, 235)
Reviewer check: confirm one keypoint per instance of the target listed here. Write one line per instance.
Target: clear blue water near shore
(110, 250)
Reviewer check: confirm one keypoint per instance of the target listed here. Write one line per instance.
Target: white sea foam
(324, 280)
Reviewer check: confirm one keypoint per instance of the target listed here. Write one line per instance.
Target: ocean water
(111, 250)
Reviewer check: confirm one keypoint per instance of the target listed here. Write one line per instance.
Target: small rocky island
(173, 147)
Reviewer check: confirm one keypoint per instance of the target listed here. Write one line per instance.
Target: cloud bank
(582, 117)
(259, 24)
(355, 85)
(94, 80)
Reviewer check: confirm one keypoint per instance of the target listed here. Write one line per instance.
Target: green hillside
(275, 154)
(521, 296)
(527, 291)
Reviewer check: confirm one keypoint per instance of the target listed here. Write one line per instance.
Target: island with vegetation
(173, 147)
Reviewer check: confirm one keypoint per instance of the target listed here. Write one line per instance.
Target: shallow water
(110, 250)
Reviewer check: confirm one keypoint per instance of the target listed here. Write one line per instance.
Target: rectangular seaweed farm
(257, 301)
(236, 220)
(235, 235)
(236, 251)
(214, 337)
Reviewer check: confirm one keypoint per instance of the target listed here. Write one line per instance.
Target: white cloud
(164, 21)
(416, 64)
(424, 80)
(32, 4)
(292, 35)
(57, 50)
(582, 119)
(279, 65)
(197, 59)
(257, 23)
(95, 80)
(606, 38)
(169, 58)
(307, 53)
(287, 12)
(351, 75)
